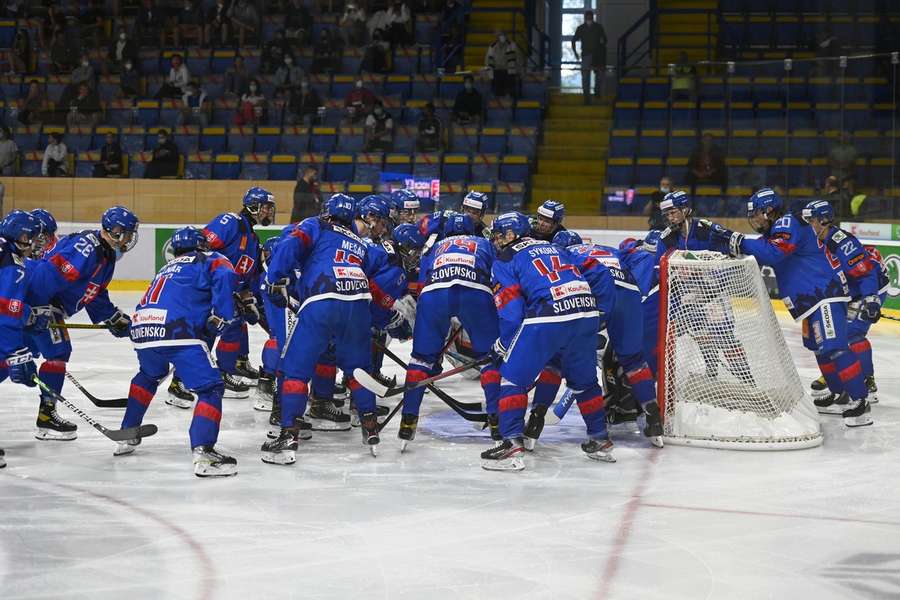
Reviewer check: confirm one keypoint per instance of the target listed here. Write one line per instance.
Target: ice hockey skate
(857, 414)
(652, 424)
(407, 431)
(368, 424)
(210, 463)
(323, 415)
(178, 395)
(832, 404)
(282, 450)
(244, 369)
(126, 447)
(50, 426)
(265, 392)
(505, 455)
(534, 426)
(235, 388)
(599, 449)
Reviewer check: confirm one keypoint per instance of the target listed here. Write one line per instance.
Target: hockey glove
(39, 318)
(278, 292)
(21, 367)
(119, 324)
(399, 328)
(870, 311)
(407, 307)
(215, 325)
(498, 351)
(247, 306)
(853, 310)
(725, 236)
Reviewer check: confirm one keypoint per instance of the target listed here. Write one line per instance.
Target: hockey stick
(112, 403)
(561, 408)
(116, 435)
(890, 318)
(390, 416)
(78, 326)
(383, 391)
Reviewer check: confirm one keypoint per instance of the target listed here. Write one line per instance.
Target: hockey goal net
(726, 378)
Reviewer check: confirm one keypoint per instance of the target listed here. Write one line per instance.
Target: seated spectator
(652, 211)
(838, 196)
(327, 53)
(188, 23)
(33, 107)
(62, 53)
(288, 76)
(165, 158)
(399, 24)
(684, 78)
(237, 78)
(129, 81)
(244, 19)
(194, 108)
(707, 165)
(376, 54)
(252, 108)
(379, 130)
(359, 102)
(55, 162)
(122, 49)
(148, 24)
(468, 107)
(178, 80)
(307, 201)
(298, 23)
(217, 24)
(21, 54)
(84, 108)
(110, 164)
(430, 138)
(842, 162)
(303, 105)
(451, 53)
(83, 73)
(9, 152)
(503, 62)
(353, 26)
(274, 51)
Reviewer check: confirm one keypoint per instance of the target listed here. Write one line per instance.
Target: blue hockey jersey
(698, 238)
(534, 282)
(463, 260)
(806, 278)
(333, 261)
(387, 283)
(74, 275)
(14, 282)
(174, 309)
(844, 250)
(233, 236)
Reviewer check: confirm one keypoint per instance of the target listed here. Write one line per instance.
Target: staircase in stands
(571, 160)
(486, 18)
(691, 32)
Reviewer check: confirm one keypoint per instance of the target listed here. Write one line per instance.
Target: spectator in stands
(707, 165)
(177, 81)
(430, 138)
(84, 109)
(379, 130)
(21, 54)
(9, 151)
(129, 81)
(62, 54)
(652, 211)
(327, 52)
(593, 55)
(237, 78)
(188, 23)
(353, 26)
(842, 161)
(359, 102)
(468, 107)
(288, 76)
(376, 53)
(194, 108)
(148, 24)
(298, 23)
(307, 201)
(121, 50)
(165, 158)
(502, 61)
(92, 20)
(274, 52)
(55, 163)
(51, 26)
(303, 105)
(33, 107)
(110, 164)
(217, 24)
(245, 20)
(684, 78)
(252, 108)
(83, 73)
(838, 196)
(398, 24)
(451, 53)
(452, 13)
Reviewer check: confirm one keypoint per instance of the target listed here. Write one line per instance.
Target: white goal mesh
(726, 377)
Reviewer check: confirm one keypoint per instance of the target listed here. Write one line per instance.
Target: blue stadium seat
(121, 113)
(649, 170)
(485, 167)
(623, 142)
(528, 112)
(450, 85)
(138, 164)
(795, 171)
(223, 111)
(351, 60)
(451, 196)
(132, 139)
(198, 166)
(631, 88)
(406, 60)
(226, 166)
(398, 163)
(187, 138)
(455, 168)
(620, 171)
(398, 85)
(653, 142)
(712, 115)
(492, 139)
(339, 167)
(499, 113)
(744, 142)
(148, 112)
(27, 138)
(740, 89)
(267, 139)
(31, 165)
(283, 167)
(427, 166)
(108, 87)
(424, 87)
(509, 196)
(857, 115)
(656, 89)
(213, 139)
(323, 139)
(683, 115)
(350, 139)
(221, 61)
(55, 84)
(828, 116)
(368, 167)
(655, 115)
(197, 62)
(99, 138)
(514, 167)
(78, 140)
(522, 140)
(294, 140)
(240, 140)
(804, 142)
(772, 142)
(169, 111)
(464, 138)
(801, 116)
(85, 165)
(405, 138)
(255, 165)
(742, 115)
(534, 86)
(148, 62)
(11, 86)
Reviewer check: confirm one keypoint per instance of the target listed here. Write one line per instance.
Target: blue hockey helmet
(121, 225)
(340, 208)
(566, 238)
(408, 237)
(459, 224)
(511, 221)
(188, 239)
(405, 200)
(553, 210)
(374, 205)
(676, 199)
(475, 202)
(820, 210)
(433, 224)
(763, 200)
(20, 228)
(48, 223)
(259, 203)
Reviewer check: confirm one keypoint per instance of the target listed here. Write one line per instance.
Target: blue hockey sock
(592, 408)
(412, 399)
(204, 429)
(363, 399)
(53, 372)
(849, 372)
(546, 388)
(294, 396)
(863, 351)
(270, 355)
(490, 385)
(323, 381)
(512, 404)
(143, 388)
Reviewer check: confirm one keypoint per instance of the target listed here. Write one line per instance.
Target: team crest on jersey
(244, 265)
(15, 307)
(90, 293)
(573, 288)
(839, 236)
(454, 259)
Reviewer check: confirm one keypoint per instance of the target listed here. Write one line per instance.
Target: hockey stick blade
(476, 406)
(111, 403)
(369, 382)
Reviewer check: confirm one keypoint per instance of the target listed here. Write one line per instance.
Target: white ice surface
(77, 523)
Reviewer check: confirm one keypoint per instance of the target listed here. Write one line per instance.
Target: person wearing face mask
(55, 163)
(188, 24)
(274, 51)
(359, 102)
(177, 81)
(122, 49)
(194, 107)
(379, 130)
(252, 110)
(593, 55)
(307, 200)
(288, 76)
(83, 73)
(503, 64)
(652, 211)
(129, 81)
(398, 21)
(353, 26)
(303, 104)
(165, 158)
(468, 107)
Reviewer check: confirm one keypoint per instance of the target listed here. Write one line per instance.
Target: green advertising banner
(891, 256)
(163, 251)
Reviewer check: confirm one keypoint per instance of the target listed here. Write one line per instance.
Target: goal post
(726, 378)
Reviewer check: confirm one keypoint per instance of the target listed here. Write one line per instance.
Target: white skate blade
(262, 403)
(403, 445)
(326, 425)
(860, 421)
(178, 402)
(55, 436)
(232, 395)
(515, 463)
(124, 449)
(872, 398)
(354, 419)
(285, 457)
(655, 440)
(834, 409)
(207, 470)
(369, 382)
(373, 450)
(529, 443)
(602, 456)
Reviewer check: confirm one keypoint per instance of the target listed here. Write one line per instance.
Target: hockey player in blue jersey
(815, 293)
(683, 231)
(232, 235)
(46, 240)
(72, 276)
(19, 231)
(475, 204)
(640, 260)
(548, 220)
(867, 284)
(405, 206)
(334, 294)
(546, 309)
(190, 300)
(456, 278)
